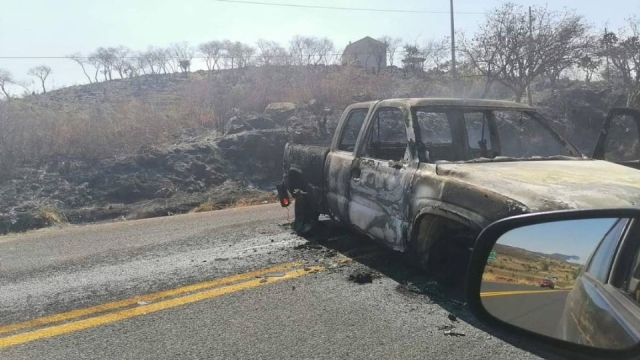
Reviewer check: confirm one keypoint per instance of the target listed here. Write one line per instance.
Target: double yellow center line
(515, 292)
(63, 323)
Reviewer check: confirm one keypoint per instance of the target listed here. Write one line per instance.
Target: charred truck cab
(424, 176)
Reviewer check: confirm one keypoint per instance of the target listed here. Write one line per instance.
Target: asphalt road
(530, 307)
(231, 284)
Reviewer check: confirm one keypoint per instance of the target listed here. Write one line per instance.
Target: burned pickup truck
(424, 176)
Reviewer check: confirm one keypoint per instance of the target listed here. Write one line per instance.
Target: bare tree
(483, 54)
(181, 53)
(589, 64)
(271, 53)
(324, 49)
(310, 50)
(142, 62)
(234, 52)
(246, 55)
(300, 48)
(82, 61)
(515, 49)
(95, 61)
(212, 51)
(104, 58)
(166, 60)
(5, 79)
(121, 62)
(392, 45)
(42, 72)
(297, 49)
(146, 61)
(623, 51)
(157, 60)
(436, 54)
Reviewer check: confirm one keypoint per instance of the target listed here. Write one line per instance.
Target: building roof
(368, 39)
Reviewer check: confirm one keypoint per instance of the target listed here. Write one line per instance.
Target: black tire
(306, 216)
(448, 262)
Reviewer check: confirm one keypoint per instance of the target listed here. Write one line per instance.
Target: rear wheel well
(429, 229)
(441, 245)
(306, 215)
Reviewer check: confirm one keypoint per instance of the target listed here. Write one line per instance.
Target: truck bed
(304, 166)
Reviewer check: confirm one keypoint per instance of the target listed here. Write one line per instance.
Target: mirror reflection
(576, 280)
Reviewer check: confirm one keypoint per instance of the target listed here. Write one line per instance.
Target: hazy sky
(571, 237)
(48, 28)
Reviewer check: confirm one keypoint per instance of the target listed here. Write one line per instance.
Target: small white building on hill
(367, 52)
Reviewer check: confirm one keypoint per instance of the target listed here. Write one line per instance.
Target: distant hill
(568, 258)
(532, 255)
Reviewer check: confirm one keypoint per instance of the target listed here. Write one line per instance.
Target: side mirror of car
(566, 281)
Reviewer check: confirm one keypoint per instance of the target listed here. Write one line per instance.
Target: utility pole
(529, 97)
(454, 75)
(606, 44)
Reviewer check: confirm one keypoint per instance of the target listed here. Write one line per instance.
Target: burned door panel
(340, 162)
(619, 139)
(381, 179)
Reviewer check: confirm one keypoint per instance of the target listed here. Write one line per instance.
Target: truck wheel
(447, 261)
(306, 216)
(441, 247)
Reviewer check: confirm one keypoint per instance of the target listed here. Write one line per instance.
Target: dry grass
(258, 199)
(262, 199)
(52, 215)
(33, 133)
(204, 207)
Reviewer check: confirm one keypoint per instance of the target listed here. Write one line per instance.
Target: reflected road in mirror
(530, 307)
(574, 280)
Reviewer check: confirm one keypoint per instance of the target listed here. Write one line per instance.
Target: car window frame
(636, 126)
(623, 256)
(449, 115)
(344, 128)
(615, 252)
(456, 127)
(494, 138)
(544, 123)
(368, 128)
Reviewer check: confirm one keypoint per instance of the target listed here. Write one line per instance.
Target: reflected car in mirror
(547, 283)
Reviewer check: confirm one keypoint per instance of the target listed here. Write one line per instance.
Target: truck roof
(476, 103)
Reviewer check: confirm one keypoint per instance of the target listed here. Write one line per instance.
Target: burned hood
(552, 184)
